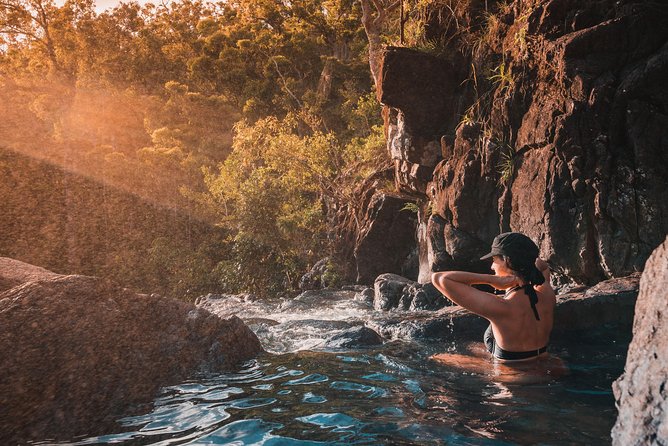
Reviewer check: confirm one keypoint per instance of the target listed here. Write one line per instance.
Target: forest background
(249, 122)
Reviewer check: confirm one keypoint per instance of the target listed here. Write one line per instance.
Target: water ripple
(313, 399)
(373, 391)
(308, 379)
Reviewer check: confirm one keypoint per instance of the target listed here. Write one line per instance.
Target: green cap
(513, 245)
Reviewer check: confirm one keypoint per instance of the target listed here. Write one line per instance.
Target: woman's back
(519, 330)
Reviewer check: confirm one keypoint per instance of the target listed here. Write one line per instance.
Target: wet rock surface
(642, 391)
(366, 295)
(354, 338)
(609, 304)
(78, 352)
(392, 291)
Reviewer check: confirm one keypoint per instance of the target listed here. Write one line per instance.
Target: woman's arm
(456, 286)
(544, 268)
(498, 282)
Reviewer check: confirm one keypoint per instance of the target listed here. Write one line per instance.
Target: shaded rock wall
(77, 352)
(554, 124)
(387, 238)
(642, 391)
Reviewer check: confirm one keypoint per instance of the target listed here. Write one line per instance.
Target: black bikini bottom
(500, 353)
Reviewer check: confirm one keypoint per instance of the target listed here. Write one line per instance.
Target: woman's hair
(525, 269)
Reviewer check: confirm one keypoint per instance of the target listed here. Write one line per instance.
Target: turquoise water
(387, 395)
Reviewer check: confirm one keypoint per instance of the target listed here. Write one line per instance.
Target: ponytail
(532, 276)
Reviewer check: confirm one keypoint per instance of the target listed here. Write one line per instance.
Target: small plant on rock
(503, 78)
(411, 207)
(506, 166)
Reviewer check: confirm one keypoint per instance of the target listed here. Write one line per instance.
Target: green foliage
(521, 39)
(411, 207)
(503, 78)
(333, 276)
(506, 166)
(273, 185)
(255, 116)
(251, 266)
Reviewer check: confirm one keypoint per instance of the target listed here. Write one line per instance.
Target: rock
(426, 297)
(13, 272)
(388, 289)
(641, 393)
(77, 352)
(571, 152)
(386, 238)
(366, 296)
(411, 266)
(423, 84)
(450, 324)
(313, 279)
(354, 338)
(392, 291)
(609, 304)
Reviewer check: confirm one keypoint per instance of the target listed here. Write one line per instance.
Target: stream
(305, 392)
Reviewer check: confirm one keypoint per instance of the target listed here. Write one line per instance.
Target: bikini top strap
(531, 293)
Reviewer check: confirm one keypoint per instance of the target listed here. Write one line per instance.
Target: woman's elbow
(438, 279)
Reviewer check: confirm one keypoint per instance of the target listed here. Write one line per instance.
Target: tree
(375, 16)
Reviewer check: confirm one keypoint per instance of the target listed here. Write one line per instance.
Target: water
(389, 394)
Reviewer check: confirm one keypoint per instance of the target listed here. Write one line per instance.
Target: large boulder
(392, 291)
(78, 352)
(418, 92)
(641, 392)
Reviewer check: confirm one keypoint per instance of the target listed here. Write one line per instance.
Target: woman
(521, 320)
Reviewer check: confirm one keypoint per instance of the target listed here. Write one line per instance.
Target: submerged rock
(642, 391)
(77, 352)
(354, 338)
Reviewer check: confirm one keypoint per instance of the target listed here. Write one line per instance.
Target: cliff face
(640, 393)
(551, 119)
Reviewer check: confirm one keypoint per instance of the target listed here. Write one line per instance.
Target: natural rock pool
(305, 392)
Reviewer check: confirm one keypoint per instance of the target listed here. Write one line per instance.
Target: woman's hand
(541, 265)
(503, 282)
